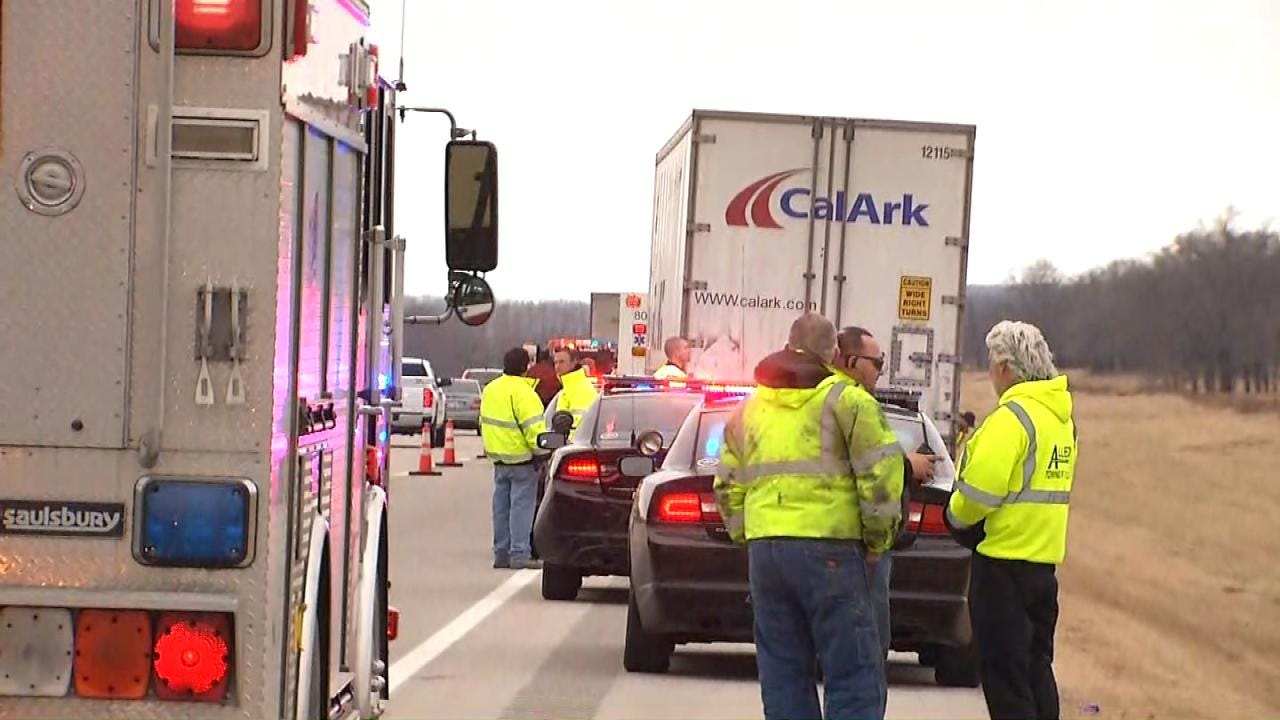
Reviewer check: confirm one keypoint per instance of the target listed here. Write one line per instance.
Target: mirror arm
(455, 132)
(429, 319)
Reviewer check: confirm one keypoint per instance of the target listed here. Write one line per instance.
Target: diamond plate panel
(31, 564)
(69, 272)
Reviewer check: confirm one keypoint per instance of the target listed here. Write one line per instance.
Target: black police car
(581, 525)
(689, 581)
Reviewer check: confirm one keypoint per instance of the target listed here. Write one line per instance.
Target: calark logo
(797, 203)
(57, 517)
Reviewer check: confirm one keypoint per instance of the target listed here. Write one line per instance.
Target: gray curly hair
(1025, 349)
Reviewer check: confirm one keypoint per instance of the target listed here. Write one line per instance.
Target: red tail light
(193, 656)
(428, 398)
(233, 25)
(581, 469)
(927, 519)
(393, 623)
(688, 507)
(373, 465)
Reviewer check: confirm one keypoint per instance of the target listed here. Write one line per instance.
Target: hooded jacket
(810, 455)
(1014, 487)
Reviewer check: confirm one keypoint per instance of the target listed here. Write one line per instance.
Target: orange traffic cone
(424, 459)
(450, 456)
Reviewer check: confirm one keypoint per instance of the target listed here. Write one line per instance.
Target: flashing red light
(633, 301)
(393, 623)
(581, 469)
(688, 507)
(192, 656)
(639, 329)
(927, 519)
(233, 25)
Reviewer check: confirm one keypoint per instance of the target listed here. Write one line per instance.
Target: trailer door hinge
(953, 300)
(705, 139)
(948, 358)
(957, 242)
(942, 415)
(698, 227)
(695, 285)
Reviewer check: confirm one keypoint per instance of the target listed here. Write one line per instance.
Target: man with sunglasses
(859, 358)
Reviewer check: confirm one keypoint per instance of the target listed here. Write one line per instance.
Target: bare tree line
(453, 347)
(1203, 314)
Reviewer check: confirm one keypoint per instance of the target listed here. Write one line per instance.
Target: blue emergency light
(202, 523)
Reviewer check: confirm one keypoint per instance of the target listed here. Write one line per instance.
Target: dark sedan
(581, 525)
(689, 581)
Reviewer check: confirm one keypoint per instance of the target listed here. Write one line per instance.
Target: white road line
(431, 648)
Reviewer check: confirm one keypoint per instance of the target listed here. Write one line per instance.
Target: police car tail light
(113, 654)
(201, 523)
(194, 656)
(210, 25)
(688, 507)
(35, 651)
(580, 469)
(926, 519)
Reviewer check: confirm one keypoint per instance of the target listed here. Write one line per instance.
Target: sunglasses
(878, 362)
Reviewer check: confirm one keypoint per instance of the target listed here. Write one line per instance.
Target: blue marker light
(193, 523)
(715, 441)
(384, 381)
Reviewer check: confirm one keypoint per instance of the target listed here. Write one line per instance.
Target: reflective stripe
(956, 522)
(866, 462)
(505, 458)
(499, 423)
(1042, 497)
(982, 497)
(735, 524)
(752, 473)
(1028, 464)
(884, 509)
(525, 423)
(831, 436)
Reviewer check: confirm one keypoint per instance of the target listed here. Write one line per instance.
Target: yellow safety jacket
(1016, 474)
(576, 395)
(511, 419)
(810, 455)
(669, 372)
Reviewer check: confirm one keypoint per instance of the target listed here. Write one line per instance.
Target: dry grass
(1170, 593)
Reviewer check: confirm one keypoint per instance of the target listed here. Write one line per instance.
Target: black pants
(1013, 607)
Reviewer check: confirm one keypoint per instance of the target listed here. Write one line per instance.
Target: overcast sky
(1104, 128)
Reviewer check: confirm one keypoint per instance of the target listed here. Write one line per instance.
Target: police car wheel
(957, 667)
(643, 652)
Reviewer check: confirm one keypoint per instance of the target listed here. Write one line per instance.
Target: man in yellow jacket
(678, 355)
(1011, 505)
(510, 422)
(811, 479)
(577, 392)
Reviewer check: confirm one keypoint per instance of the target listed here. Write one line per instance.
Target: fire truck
(200, 290)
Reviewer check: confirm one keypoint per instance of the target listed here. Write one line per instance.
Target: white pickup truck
(421, 401)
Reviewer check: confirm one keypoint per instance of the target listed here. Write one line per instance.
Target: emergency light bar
(909, 399)
(644, 383)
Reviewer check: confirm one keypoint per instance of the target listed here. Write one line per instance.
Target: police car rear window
(619, 418)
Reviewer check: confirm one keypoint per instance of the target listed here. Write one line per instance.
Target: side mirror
(552, 440)
(444, 382)
(636, 466)
(562, 422)
(649, 443)
(473, 300)
(471, 205)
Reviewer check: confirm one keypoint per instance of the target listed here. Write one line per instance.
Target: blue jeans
(880, 597)
(515, 493)
(813, 599)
